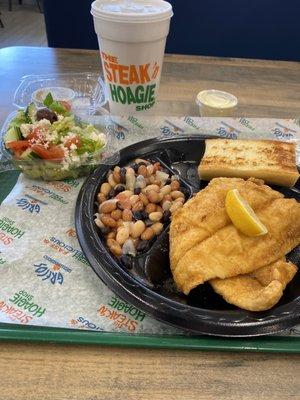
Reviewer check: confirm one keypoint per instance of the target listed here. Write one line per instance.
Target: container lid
(132, 10)
(63, 86)
(216, 99)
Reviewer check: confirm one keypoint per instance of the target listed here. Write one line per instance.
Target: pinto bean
(156, 216)
(108, 206)
(114, 247)
(157, 228)
(137, 229)
(147, 234)
(122, 235)
(105, 188)
(108, 220)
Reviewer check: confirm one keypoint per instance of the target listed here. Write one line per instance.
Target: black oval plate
(149, 284)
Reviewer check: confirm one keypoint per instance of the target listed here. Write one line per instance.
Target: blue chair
(70, 24)
(267, 29)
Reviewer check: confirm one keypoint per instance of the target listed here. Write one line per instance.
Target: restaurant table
(55, 371)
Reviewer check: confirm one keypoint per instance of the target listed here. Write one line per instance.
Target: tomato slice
(17, 145)
(65, 104)
(52, 153)
(18, 153)
(74, 140)
(36, 134)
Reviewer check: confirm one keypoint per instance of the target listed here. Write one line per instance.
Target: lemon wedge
(242, 215)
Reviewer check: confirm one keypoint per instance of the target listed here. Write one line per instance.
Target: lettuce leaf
(55, 105)
(19, 119)
(89, 146)
(63, 126)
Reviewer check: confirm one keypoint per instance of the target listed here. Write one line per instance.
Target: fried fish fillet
(258, 291)
(204, 244)
(270, 160)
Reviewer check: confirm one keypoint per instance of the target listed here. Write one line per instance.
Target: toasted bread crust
(270, 160)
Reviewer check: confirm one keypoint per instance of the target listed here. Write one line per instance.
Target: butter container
(215, 103)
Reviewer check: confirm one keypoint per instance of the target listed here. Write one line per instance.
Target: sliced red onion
(140, 182)
(128, 248)
(162, 176)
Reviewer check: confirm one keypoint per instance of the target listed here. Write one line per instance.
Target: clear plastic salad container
(88, 145)
(56, 133)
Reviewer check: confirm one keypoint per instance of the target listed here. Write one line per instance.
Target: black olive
(137, 190)
(127, 260)
(143, 245)
(123, 175)
(144, 214)
(135, 167)
(111, 193)
(140, 215)
(119, 189)
(166, 216)
(136, 215)
(148, 223)
(141, 163)
(45, 113)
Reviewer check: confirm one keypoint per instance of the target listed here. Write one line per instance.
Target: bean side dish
(134, 206)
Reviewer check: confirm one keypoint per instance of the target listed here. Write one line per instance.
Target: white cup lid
(132, 10)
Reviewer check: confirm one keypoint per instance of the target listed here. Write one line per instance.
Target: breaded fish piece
(258, 291)
(270, 160)
(205, 214)
(204, 244)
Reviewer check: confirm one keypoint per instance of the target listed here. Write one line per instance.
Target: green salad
(51, 143)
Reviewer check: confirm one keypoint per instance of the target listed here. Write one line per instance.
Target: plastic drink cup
(132, 37)
(215, 103)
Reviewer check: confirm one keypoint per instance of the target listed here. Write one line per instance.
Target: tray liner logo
(122, 314)
(23, 309)
(52, 271)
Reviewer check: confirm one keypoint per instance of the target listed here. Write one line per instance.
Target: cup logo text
(131, 84)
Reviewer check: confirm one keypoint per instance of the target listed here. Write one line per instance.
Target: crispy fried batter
(258, 291)
(205, 214)
(205, 245)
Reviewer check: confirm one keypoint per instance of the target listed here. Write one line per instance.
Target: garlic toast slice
(270, 160)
